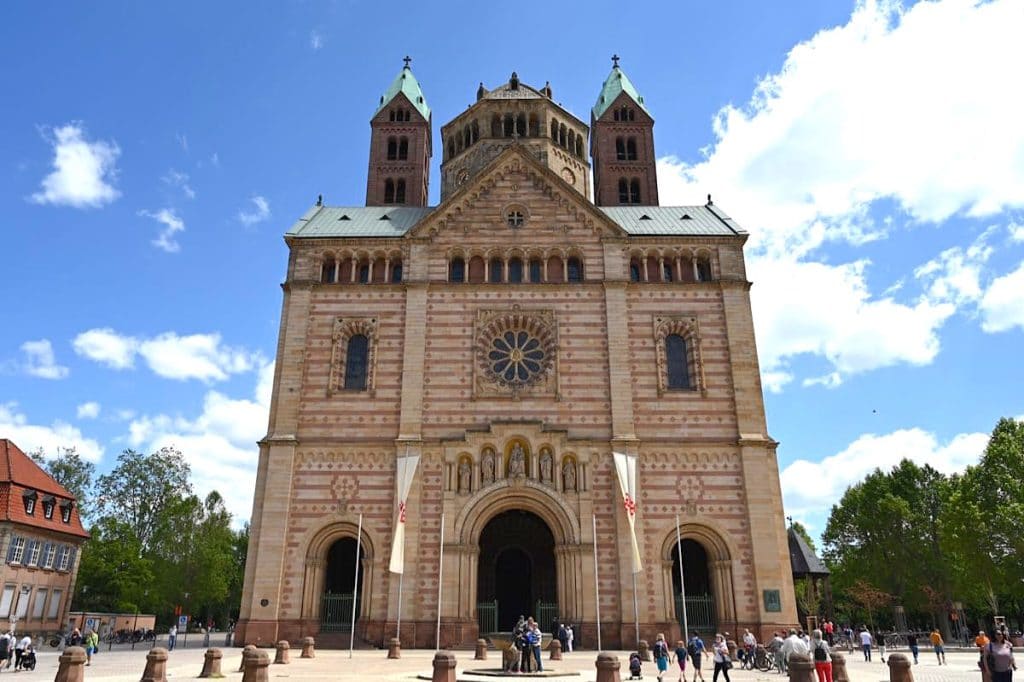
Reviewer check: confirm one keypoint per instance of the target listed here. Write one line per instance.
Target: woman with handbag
(997, 658)
(722, 660)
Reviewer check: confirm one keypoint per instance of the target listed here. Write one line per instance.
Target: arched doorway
(700, 598)
(516, 571)
(339, 580)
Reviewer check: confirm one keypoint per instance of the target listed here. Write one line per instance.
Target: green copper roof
(406, 84)
(616, 82)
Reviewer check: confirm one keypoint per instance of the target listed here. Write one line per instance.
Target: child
(634, 667)
(680, 658)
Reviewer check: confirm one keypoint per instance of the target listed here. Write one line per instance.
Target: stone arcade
(513, 337)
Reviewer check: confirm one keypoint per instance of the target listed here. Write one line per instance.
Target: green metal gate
(336, 613)
(487, 616)
(700, 613)
(546, 612)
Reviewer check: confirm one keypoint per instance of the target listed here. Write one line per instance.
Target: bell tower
(622, 144)
(400, 145)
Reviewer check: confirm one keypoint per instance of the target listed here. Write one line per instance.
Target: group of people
(16, 651)
(526, 638)
(694, 650)
(799, 642)
(996, 654)
(90, 641)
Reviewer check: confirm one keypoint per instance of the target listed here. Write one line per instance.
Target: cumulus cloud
(173, 224)
(15, 426)
(955, 275)
(1016, 231)
(83, 171)
(877, 109)
(809, 489)
(1002, 306)
(40, 360)
(89, 410)
(169, 355)
(260, 213)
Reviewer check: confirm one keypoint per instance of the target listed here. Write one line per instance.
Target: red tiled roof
(18, 475)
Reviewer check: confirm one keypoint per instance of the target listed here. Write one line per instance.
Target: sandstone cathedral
(458, 387)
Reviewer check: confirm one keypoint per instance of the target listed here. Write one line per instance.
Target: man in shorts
(939, 646)
(696, 649)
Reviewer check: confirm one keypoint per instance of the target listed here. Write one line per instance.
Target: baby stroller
(634, 667)
(28, 659)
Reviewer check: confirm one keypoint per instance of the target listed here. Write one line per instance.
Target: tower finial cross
(407, 59)
(615, 60)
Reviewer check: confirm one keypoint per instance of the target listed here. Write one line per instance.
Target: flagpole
(398, 629)
(355, 586)
(597, 586)
(636, 613)
(440, 569)
(682, 584)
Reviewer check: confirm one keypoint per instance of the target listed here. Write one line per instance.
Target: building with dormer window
(40, 535)
(512, 338)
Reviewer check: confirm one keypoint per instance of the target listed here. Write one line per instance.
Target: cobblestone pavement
(127, 666)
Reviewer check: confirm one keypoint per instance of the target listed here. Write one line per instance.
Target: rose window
(516, 350)
(516, 356)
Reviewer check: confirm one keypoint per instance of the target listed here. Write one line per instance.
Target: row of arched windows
(398, 148)
(348, 270)
(670, 269)
(399, 115)
(515, 270)
(629, 191)
(516, 125)
(394, 191)
(624, 113)
(567, 138)
(625, 149)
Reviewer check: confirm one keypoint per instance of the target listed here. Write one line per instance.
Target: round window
(517, 350)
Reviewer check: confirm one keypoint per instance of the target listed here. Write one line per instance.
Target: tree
(113, 575)
(73, 472)
(870, 598)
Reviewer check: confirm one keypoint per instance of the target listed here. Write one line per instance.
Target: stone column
(444, 667)
(899, 668)
(801, 668)
(211, 663)
(607, 668)
(156, 665)
(481, 650)
(394, 648)
(307, 648)
(255, 666)
(72, 665)
(282, 655)
(839, 673)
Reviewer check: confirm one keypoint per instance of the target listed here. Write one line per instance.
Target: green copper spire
(616, 82)
(406, 84)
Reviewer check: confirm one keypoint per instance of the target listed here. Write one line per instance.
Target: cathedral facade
(508, 341)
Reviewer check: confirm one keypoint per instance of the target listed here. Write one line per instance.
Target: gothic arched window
(676, 362)
(357, 363)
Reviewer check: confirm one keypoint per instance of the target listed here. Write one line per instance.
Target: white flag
(625, 467)
(406, 467)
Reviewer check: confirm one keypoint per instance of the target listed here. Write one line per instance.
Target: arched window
(345, 271)
(476, 270)
(554, 130)
(451, 148)
(389, 191)
(475, 130)
(675, 359)
(653, 272)
(510, 123)
(634, 271)
(631, 149)
(457, 270)
(667, 274)
(703, 269)
(562, 135)
(620, 149)
(356, 363)
(536, 267)
(380, 274)
(396, 272)
(467, 136)
(616, 114)
(391, 115)
(496, 271)
(521, 125)
(403, 148)
(534, 126)
(400, 192)
(495, 126)
(634, 191)
(629, 112)
(555, 270)
(364, 273)
(515, 271)
(574, 269)
(392, 149)
(579, 146)
(623, 191)
(327, 271)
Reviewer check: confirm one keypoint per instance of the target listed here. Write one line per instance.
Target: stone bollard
(307, 648)
(256, 664)
(211, 663)
(607, 668)
(481, 650)
(394, 648)
(839, 673)
(156, 665)
(282, 656)
(72, 665)
(644, 650)
(801, 668)
(249, 650)
(899, 668)
(444, 667)
(556, 650)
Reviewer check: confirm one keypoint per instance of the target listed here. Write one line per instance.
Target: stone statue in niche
(545, 467)
(487, 467)
(517, 462)
(569, 476)
(465, 471)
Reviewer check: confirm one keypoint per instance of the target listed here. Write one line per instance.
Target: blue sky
(152, 155)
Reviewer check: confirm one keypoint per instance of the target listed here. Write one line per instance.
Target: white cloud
(168, 217)
(40, 360)
(809, 489)
(259, 214)
(219, 444)
(14, 426)
(194, 356)
(1016, 231)
(89, 410)
(83, 171)
(316, 41)
(181, 181)
(1002, 306)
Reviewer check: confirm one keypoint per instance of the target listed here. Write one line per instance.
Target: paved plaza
(127, 666)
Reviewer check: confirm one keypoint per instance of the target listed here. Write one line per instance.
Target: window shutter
(27, 556)
(10, 548)
(71, 559)
(44, 553)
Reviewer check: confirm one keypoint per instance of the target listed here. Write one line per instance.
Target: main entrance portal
(516, 575)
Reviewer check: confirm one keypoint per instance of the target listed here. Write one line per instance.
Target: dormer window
(48, 504)
(29, 498)
(65, 511)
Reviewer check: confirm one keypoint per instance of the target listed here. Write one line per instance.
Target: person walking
(792, 645)
(680, 659)
(92, 645)
(998, 658)
(696, 650)
(6, 649)
(172, 637)
(20, 648)
(865, 643)
(939, 646)
(721, 657)
(912, 643)
(660, 653)
(822, 656)
(534, 637)
(569, 635)
(775, 646)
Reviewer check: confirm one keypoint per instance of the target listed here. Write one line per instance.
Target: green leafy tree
(113, 575)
